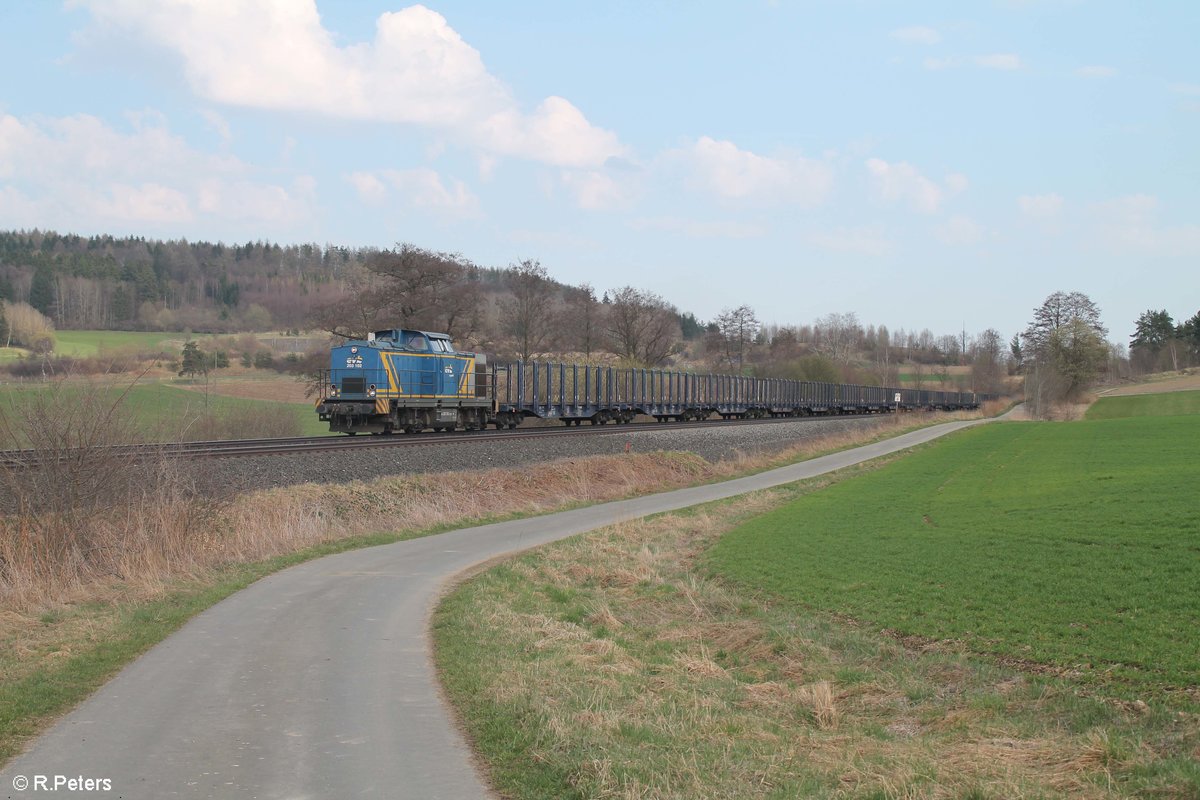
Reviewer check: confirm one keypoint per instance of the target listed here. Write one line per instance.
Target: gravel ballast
(243, 473)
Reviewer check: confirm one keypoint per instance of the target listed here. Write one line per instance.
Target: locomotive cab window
(418, 343)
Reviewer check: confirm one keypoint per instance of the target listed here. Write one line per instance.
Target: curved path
(317, 682)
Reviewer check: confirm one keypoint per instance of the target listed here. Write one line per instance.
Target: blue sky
(920, 164)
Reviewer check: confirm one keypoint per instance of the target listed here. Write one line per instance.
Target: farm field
(1005, 613)
(166, 412)
(1145, 405)
(1068, 545)
(81, 344)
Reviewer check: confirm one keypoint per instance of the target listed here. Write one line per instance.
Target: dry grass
(630, 673)
(277, 389)
(1186, 380)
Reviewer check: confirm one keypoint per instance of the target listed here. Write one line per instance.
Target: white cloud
(902, 182)
(1095, 71)
(939, 63)
(147, 202)
(73, 172)
(1040, 206)
(1006, 61)
(370, 189)
(723, 229)
(594, 190)
(724, 169)
(958, 230)
(916, 34)
(417, 70)
(1189, 89)
(420, 188)
(218, 123)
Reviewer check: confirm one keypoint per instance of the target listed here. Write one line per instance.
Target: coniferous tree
(41, 291)
(195, 362)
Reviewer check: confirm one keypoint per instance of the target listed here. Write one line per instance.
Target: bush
(83, 509)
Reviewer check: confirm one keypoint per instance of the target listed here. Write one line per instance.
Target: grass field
(82, 344)
(167, 413)
(1146, 405)
(1069, 545)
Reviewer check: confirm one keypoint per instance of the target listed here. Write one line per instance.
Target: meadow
(165, 412)
(84, 344)
(1145, 405)
(1071, 546)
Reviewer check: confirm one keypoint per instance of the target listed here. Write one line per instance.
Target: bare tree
(583, 318)
(737, 328)
(839, 336)
(641, 326)
(918, 375)
(1059, 310)
(527, 316)
(408, 287)
(987, 364)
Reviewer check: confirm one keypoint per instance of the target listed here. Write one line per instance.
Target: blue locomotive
(409, 380)
(403, 380)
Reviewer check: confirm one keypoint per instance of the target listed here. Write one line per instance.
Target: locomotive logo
(353, 362)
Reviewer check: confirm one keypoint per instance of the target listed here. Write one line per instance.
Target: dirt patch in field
(283, 390)
(1174, 383)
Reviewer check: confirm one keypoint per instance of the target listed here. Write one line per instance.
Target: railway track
(316, 444)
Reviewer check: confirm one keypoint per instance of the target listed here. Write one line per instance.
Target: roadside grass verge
(1145, 405)
(614, 664)
(1072, 546)
(67, 625)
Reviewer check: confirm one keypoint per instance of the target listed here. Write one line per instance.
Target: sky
(940, 165)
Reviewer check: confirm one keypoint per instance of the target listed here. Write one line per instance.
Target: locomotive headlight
(371, 390)
(333, 392)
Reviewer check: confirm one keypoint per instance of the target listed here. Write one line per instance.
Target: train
(401, 380)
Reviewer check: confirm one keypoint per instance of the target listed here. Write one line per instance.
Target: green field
(81, 344)
(1072, 545)
(1146, 405)
(168, 413)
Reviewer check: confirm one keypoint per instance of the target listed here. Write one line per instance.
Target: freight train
(408, 380)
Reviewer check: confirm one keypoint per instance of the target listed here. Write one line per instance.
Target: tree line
(520, 311)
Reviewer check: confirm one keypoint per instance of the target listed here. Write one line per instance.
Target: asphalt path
(318, 682)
